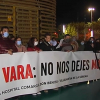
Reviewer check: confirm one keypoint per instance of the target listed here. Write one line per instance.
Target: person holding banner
(67, 44)
(97, 45)
(90, 45)
(33, 45)
(81, 46)
(19, 46)
(75, 44)
(46, 45)
(6, 45)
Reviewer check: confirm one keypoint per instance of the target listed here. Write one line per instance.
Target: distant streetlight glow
(91, 9)
(64, 28)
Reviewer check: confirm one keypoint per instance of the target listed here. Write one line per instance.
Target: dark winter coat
(45, 46)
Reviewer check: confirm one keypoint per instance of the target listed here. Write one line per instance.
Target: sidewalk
(80, 91)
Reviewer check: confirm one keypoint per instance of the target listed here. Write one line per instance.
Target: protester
(53, 42)
(90, 45)
(75, 44)
(33, 45)
(6, 45)
(46, 46)
(19, 46)
(66, 44)
(97, 45)
(81, 46)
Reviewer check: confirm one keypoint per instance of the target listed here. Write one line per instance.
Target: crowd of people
(12, 45)
(67, 44)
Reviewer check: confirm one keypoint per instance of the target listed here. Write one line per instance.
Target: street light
(64, 28)
(91, 10)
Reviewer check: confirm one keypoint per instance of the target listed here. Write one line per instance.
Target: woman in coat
(90, 45)
(20, 47)
(33, 45)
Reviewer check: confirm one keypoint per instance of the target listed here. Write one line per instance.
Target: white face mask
(35, 43)
(82, 43)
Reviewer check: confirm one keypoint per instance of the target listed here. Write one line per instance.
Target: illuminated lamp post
(91, 10)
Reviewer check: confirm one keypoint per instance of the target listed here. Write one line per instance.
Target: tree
(83, 30)
(71, 29)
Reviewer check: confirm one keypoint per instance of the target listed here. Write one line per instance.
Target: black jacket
(45, 46)
(97, 46)
(88, 47)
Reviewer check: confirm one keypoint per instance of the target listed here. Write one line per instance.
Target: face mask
(82, 43)
(92, 41)
(6, 34)
(19, 42)
(35, 43)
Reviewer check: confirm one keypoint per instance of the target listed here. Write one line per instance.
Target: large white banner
(27, 73)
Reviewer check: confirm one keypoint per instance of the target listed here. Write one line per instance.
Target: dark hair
(17, 38)
(91, 38)
(47, 34)
(67, 35)
(97, 40)
(30, 43)
(4, 28)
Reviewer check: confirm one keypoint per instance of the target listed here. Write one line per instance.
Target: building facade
(27, 18)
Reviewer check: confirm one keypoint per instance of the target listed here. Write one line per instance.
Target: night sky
(76, 11)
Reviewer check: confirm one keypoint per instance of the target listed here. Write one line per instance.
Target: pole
(91, 16)
(84, 33)
(91, 23)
